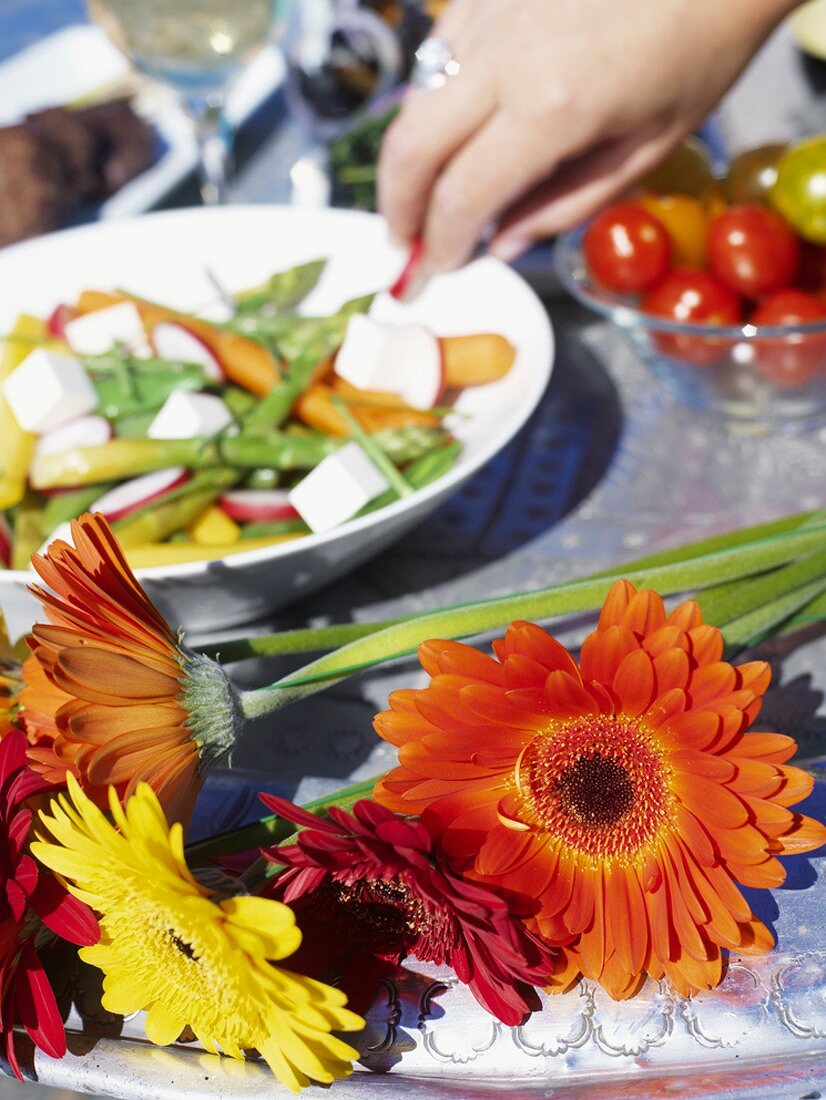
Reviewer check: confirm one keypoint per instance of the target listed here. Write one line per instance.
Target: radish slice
(5, 542)
(139, 491)
(410, 278)
(86, 431)
(173, 341)
(60, 317)
(257, 505)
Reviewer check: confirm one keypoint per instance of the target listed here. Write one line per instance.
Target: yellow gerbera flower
(171, 947)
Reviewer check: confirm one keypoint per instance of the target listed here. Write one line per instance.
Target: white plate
(163, 256)
(80, 61)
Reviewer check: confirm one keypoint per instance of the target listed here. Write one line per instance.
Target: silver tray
(646, 474)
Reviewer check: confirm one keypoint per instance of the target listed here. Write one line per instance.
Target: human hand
(559, 106)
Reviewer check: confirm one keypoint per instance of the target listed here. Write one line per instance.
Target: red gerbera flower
(368, 890)
(30, 898)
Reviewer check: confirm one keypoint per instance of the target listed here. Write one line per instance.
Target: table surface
(608, 468)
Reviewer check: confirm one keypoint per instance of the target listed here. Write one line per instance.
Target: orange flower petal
(634, 683)
(604, 651)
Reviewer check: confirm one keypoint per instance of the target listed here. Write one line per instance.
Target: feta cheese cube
(62, 531)
(337, 488)
(97, 332)
(48, 389)
(187, 415)
(405, 360)
(369, 355)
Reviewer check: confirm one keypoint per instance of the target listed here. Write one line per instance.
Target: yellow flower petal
(168, 948)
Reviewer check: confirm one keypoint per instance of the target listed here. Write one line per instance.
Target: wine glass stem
(214, 147)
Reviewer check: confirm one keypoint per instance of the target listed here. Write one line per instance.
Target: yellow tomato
(685, 220)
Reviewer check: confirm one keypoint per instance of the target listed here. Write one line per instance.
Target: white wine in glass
(197, 47)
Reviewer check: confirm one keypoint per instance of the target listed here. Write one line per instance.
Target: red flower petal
(63, 914)
(36, 1006)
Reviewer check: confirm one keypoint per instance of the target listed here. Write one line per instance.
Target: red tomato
(790, 361)
(752, 250)
(626, 250)
(812, 274)
(690, 295)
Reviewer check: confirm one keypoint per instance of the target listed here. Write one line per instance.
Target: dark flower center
(387, 917)
(596, 790)
(599, 784)
(185, 948)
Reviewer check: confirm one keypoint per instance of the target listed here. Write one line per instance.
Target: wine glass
(197, 47)
(341, 58)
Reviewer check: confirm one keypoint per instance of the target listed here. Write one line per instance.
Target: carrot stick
(476, 359)
(244, 361)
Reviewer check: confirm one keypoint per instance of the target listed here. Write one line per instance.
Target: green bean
(65, 506)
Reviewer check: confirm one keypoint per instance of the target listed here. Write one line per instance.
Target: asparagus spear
(122, 458)
(176, 510)
(60, 509)
(126, 387)
(283, 291)
(28, 531)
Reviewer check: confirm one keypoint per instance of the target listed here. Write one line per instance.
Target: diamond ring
(434, 64)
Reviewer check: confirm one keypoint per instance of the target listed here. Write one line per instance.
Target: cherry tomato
(685, 220)
(715, 203)
(751, 175)
(752, 250)
(790, 361)
(690, 295)
(812, 274)
(800, 191)
(689, 170)
(626, 249)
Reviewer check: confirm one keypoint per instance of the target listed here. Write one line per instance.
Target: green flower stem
(483, 616)
(757, 624)
(813, 612)
(316, 639)
(272, 829)
(727, 602)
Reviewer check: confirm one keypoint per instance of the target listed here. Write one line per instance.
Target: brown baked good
(125, 144)
(73, 141)
(35, 195)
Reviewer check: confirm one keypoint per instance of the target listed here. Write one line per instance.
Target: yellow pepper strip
(16, 446)
(214, 527)
(178, 553)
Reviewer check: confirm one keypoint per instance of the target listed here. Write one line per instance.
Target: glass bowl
(772, 377)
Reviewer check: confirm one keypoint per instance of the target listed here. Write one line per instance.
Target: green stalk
(757, 624)
(314, 639)
(483, 616)
(272, 829)
(727, 602)
(122, 458)
(813, 612)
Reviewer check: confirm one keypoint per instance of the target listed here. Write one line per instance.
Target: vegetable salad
(198, 438)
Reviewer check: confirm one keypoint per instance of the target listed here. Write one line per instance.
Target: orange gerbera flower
(622, 795)
(113, 696)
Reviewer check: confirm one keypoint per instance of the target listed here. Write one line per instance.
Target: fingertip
(509, 247)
